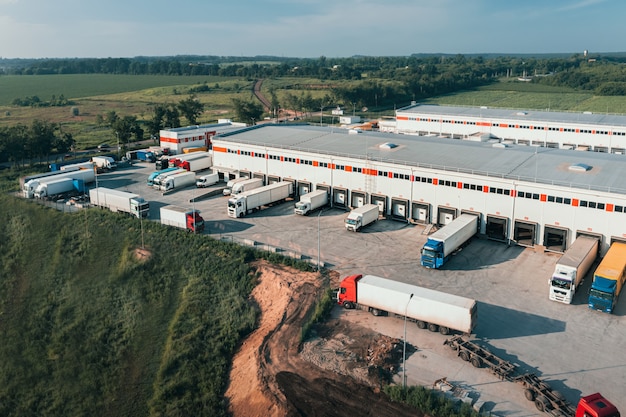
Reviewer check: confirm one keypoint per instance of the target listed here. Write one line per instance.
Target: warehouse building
(531, 196)
(583, 131)
(198, 136)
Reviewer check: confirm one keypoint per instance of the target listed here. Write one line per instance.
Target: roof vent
(580, 167)
(388, 145)
(521, 113)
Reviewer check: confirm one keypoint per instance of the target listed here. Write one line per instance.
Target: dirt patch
(337, 372)
(142, 254)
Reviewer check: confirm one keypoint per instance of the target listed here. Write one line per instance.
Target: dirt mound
(338, 372)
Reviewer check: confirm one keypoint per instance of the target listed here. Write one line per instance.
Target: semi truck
(119, 201)
(361, 217)
(247, 185)
(145, 155)
(243, 203)
(85, 175)
(159, 179)
(183, 218)
(571, 269)
(178, 159)
(197, 164)
(231, 183)
(178, 180)
(311, 201)
(155, 174)
(207, 180)
(54, 187)
(441, 244)
(435, 310)
(104, 163)
(608, 279)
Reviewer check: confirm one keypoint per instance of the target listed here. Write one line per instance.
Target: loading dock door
(420, 212)
(399, 209)
(340, 197)
(555, 238)
(271, 179)
(497, 228)
(358, 199)
(381, 200)
(524, 233)
(245, 174)
(261, 176)
(445, 215)
(304, 187)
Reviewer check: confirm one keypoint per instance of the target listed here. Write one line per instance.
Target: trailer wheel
(464, 355)
(421, 324)
(444, 330)
(540, 404)
(477, 362)
(529, 394)
(347, 305)
(375, 312)
(432, 327)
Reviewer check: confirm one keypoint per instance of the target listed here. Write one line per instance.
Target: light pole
(404, 347)
(318, 240)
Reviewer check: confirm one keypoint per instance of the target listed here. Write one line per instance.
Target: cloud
(580, 5)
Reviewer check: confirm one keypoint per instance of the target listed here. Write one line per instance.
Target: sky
(307, 28)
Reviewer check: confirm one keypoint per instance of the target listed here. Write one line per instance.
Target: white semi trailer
(178, 180)
(435, 310)
(54, 187)
(311, 201)
(571, 268)
(85, 175)
(231, 183)
(241, 204)
(441, 244)
(119, 201)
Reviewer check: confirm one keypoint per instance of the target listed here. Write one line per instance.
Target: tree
(191, 108)
(248, 111)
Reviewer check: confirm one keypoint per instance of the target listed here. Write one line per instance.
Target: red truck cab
(347, 295)
(595, 405)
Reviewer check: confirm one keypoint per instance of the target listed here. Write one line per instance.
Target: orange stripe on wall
(402, 118)
(219, 149)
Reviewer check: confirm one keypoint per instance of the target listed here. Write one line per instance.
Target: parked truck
(435, 310)
(247, 201)
(247, 185)
(571, 269)
(155, 174)
(311, 201)
(441, 244)
(197, 164)
(207, 180)
(608, 279)
(183, 218)
(230, 184)
(119, 201)
(54, 187)
(104, 163)
(85, 175)
(180, 158)
(160, 178)
(178, 180)
(361, 217)
(145, 155)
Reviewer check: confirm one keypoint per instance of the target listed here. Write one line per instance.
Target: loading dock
(590, 234)
(477, 214)
(381, 200)
(358, 198)
(324, 187)
(271, 179)
(399, 209)
(524, 233)
(304, 187)
(420, 212)
(245, 174)
(295, 185)
(340, 197)
(261, 176)
(497, 228)
(555, 238)
(445, 215)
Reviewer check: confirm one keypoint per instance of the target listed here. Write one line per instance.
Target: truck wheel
(464, 355)
(477, 362)
(347, 305)
(433, 327)
(444, 330)
(375, 312)
(529, 394)
(540, 404)
(421, 324)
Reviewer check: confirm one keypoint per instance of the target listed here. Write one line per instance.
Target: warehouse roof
(606, 172)
(546, 116)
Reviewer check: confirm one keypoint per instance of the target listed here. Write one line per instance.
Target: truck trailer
(608, 279)
(183, 218)
(160, 178)
(178, 159)
(197, 164)
(441, 244)
(231, 183)
(243, 203)
(311, 201)
(155, 174)
(435, 310)
(571, 268)
(119, 201)
(104, 163)
(85, 175)
(54, 187)
(179, 180)
(247, 185)
(361, 217)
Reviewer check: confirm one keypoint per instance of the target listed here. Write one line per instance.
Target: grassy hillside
(90, 329)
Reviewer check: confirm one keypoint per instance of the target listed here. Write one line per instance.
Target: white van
(207, 180)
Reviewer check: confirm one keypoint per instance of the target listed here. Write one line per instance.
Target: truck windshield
(600, 294)
(429, 253)
(351, 221)
(232, 204)
(300, 206)
(561, 283)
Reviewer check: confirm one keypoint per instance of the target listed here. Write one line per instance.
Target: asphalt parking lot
(576, 350)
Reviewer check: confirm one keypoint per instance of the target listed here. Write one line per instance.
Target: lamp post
(404, 347)
(318, 240)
